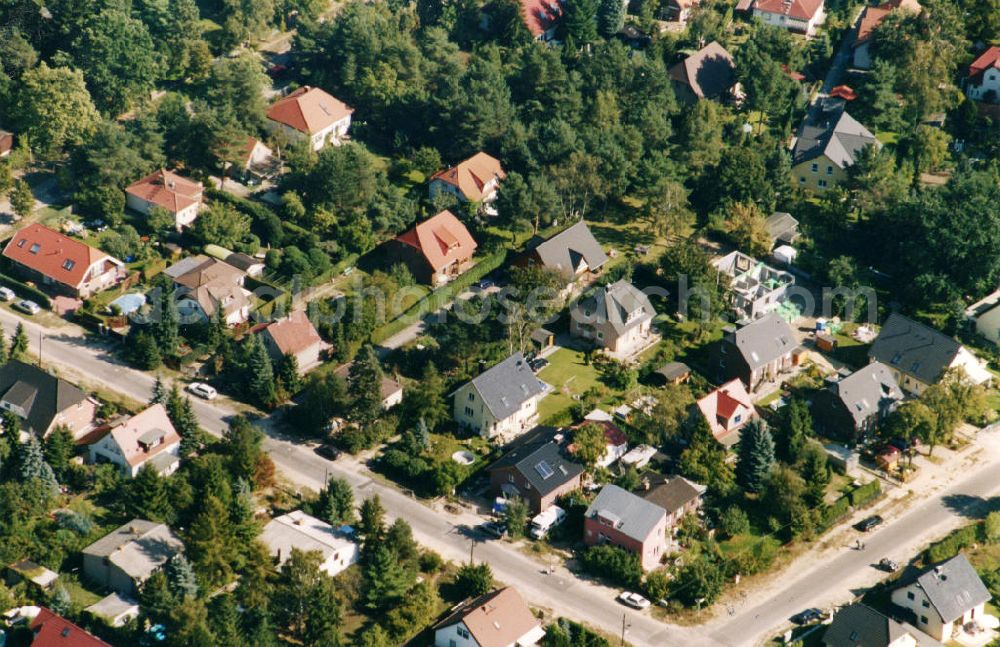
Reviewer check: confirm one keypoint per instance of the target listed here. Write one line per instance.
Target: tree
(754, 456)
(704, 459)
(245, 20)
(243, 442)
(142, 349)
(236, 87)
(181, 578)
(610, 17)
(147, 496)
(59, 448)
(185, 422)
(590, 444)
(515, 516)
(160, 392)
(22, 200)
(667, 208)
(221, 224)
(386, 580)
(32, 466)
(747, 226)
(167, 327)
(782, 499)
(914, 419)
(289, 381)
(335, 504)
(426, 399)
(701, 136)
(261, 385)
(54, 108)
(794, 427)
(474, 580)
(399, 539)
(209, 542)
(371, 528)
(699, 582)
(816, 473)
(305, 601)
(580, 21)
(365, 386)
(733, 521)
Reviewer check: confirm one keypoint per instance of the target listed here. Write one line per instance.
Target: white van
(546, 521)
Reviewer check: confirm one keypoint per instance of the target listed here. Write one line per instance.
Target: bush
(991, 527)
(567, 633)
(613, 564)
(733, 521)
(430, 562)
(952, 544)
(25, 291)
(866, 493)
(836, 511)
(698, 583)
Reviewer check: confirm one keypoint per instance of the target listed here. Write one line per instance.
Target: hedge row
(866, 493)
(952, 544)
(836, 511)
(25, 291)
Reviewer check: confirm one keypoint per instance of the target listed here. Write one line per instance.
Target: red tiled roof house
(473, 180)
(66, 265)
(296, 336)
(51, 630)
(726, 410)
(436, 250)
(311, 114)
(984, 77)
(799, 16)
(167, 190)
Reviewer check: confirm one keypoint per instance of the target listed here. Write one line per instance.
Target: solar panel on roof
(544, 470)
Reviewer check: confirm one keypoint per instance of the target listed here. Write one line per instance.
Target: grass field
(569, 375)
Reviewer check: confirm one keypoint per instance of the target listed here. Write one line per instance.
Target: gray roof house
(834, 134)
(43, 401)
(861, 626)
(944, 597)
(852, 407)
(573, 252)
(502, 400)
(709, 73)
(675, 494)
(782, 228)
(919, 355)
(125, 558)
(757, 352)
(628, 521)
(616, 317)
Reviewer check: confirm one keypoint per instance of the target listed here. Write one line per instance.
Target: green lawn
(569, 375)
(887, 138)
(81, 597)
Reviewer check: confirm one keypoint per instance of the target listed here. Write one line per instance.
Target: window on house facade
(910, 596)
(829, 170)
(822, 184)
(923, 620)
(814, 167)
(925, 604)
(469, 411)
(472, 396)
(802, 179)
(463, 633)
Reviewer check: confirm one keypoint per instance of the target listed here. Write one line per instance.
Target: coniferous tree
(147, 496)
(610, 17)
(754, 457)
(372, 524)
(19, 344)
(427, 400)
(399, 539)
(168, 329)
(365, 386)
(260, 373)
(224, 621)
(795, 427)
(243, 446)
(181, 414)
(386, 580)
(156, 600)
(704, 459)
(288, 375)
(336, 503)
(60, 600)
(304, 600)
(160, 393)
(210, 542)
(143, 350)
(816, 473)
(474, 580)
(181, 579)
(32, 465)
(580, 21)
(59, 449)
(245, 526)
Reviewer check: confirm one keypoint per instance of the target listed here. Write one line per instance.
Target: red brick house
(632, 523)
(436, 250)
(536, 471)
(66, 265)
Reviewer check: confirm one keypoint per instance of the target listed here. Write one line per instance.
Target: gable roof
(862, 391)
(860, 625)
(471, 176)
(293, 334)
(136, 436)
(209, 282)
(309, 110)
(988, 59)
(507, 385)
(388, 387)
(304, 532)
(835, 134)
(914, 348)
(567, 249)
(612, 304)
(672, 493)
(442, 239)
(797, 9)
(61, 258)
(709, 72)
(497, 619)
(40, 395)
(953, 587)
(52, 630)
(167, 190)
(764, 340)
(634, 516)
(137, 548)
(541, 463)
(873, 16)
(243, 262)
(540, 15)
(725, 401)
(782, 226)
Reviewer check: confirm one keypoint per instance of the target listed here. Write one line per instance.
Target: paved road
(814, 584)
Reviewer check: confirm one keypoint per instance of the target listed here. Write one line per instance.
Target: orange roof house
(541, 17)
(497, 619)
(845, 92)
(51, 630)
(67, 265)
(295, 335)
(437, 249)
(872, 18)
(146, 438)
(726, 410)
(166, 190)
(473, 180)
(312, 113)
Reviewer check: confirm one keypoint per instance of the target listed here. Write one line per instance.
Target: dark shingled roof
(709, 72)
(914, 348)
(863, 390)
(528, 457)
(838, 136)
(508, 385)
(764, 340)
(953, 587)
(612, 304)
(564, 251)
(861, 626)
(672, 493)
(40, 395)
(673, 371)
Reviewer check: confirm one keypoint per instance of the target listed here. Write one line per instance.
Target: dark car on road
(493, 529)
(328, 452)
(869, 523)
(807, 616)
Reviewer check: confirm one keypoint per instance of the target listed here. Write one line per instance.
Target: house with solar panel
(502, 402)
(538, 471)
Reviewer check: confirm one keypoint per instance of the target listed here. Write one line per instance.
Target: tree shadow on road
(970, 507)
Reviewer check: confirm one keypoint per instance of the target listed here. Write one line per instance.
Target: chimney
(171, 185)
(645, 483)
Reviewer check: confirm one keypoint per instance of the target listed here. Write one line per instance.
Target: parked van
(546, 521)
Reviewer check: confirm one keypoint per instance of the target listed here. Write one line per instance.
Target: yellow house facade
(819, 174)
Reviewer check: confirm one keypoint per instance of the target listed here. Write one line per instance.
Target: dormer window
(21, 242)
(34, 248)
(68, 265)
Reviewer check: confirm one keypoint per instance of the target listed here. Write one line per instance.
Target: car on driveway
(869, 523)
(807, 616)
(328, 451)
(888, 565)
(538, 364)
(633, 600)
(6, 294)
(28, 307)
(203, 390)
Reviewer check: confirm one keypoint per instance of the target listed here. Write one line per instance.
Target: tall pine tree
(32, 465)
(260, 373)
(754, 456)
(365, 386)
(210, 542)
(160, 393)
(181, 579)
(610, 17)
(147, 497)
(19, 344)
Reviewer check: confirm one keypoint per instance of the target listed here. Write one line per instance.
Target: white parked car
(633, 600)
(6, 294)
(546, 521)
(203, 390)
(28, 307)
